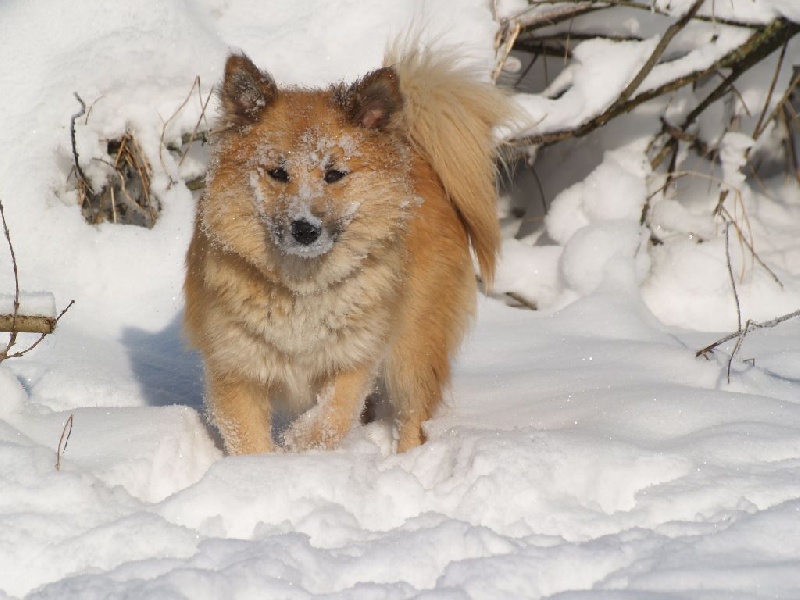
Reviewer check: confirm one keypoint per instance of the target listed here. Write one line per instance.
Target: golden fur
(331, 251)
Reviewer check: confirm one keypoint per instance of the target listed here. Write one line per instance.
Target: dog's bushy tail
(450, 115)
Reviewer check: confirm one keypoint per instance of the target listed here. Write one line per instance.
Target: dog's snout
(304, 232)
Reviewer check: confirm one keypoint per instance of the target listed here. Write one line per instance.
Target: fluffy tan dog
(331, 251)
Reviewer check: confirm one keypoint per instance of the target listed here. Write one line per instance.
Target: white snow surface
(584, 451)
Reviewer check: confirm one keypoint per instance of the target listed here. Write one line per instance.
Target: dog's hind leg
(415, 381)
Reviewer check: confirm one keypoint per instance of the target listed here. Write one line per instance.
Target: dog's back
(332, 246)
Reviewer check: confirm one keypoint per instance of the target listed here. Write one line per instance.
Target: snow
(39, 304)
(584, 452)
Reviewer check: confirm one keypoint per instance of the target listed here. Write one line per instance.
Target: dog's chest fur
(279, 337)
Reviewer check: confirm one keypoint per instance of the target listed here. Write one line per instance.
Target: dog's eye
(333, 175)
(279, 174)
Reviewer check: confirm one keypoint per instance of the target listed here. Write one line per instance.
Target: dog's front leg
(240, 409)
(339, 405)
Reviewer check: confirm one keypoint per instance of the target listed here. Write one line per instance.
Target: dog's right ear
(246, 91)
(373, 101)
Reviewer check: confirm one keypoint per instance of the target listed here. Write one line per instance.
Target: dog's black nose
(304, 232)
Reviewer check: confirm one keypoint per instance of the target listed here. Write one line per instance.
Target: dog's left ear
(246, 91)
(374, 100)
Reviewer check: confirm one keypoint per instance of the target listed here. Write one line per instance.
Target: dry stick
(91, 108)
(792, 150)
(26, 324)
(65, 433)
(530, 305)
(203, 106)
(577, 36)
(162, 145)
(784, 101)
(733, 287)
(13, 337)
(78, 169)
(726, 215)
(729, 218)
(143, 168)
(508, 44)
(757, 129)
(749, 326)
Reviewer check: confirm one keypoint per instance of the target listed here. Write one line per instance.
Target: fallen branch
(27, 324)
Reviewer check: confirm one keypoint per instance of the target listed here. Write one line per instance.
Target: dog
(332, 253)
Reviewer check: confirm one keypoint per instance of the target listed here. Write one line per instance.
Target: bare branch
(5, 355)
(749, 326)
(762, 43)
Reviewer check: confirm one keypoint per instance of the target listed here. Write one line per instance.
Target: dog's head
(305, 184)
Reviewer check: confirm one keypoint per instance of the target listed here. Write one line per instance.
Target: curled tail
(449, 115)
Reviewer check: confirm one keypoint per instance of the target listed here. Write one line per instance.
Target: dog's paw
(311, 432)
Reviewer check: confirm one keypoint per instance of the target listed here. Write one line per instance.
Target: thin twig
(508, 44)
(522, 300)
(727, 216)
(162, 145)
(65, 433)
(792, 156)
(193, 136)
(730, 273)
(532, 19)
(757, 129)
(733, 288)
(749, 326)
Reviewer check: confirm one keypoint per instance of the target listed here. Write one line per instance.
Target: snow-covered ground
(584, 452)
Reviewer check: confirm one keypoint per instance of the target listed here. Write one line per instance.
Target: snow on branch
(649, 81)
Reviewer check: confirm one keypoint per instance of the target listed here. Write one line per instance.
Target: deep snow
(584, 451)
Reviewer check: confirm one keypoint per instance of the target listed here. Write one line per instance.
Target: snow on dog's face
(306, 184)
